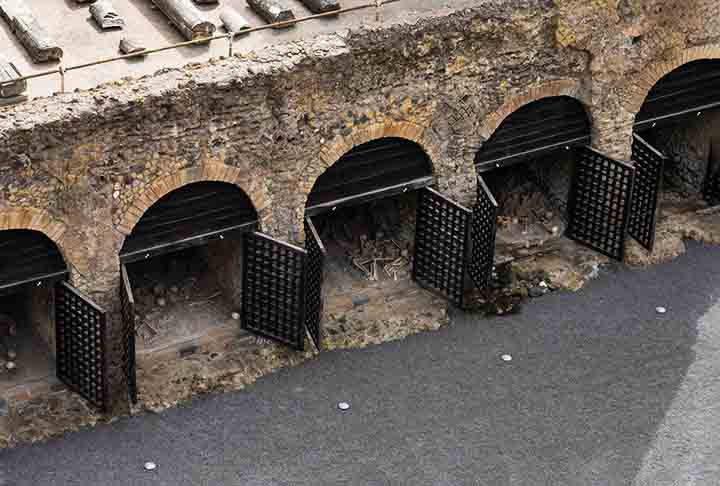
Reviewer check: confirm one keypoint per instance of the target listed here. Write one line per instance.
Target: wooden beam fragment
(187, 18)
(13, 92)
(106, 16)
(33, 36)
(271, 11)
(322, 6)
(233, 21)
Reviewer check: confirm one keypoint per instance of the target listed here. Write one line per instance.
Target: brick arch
(561, 87)
(333, 150)
(645, 80)
(336, 148)
(32, 219)
(37, 220)
(216, 172)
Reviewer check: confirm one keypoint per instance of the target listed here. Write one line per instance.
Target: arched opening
(528, 165)
(676, 147)
(30, 266)
(362, 209)
(680, 118)
(182, 270)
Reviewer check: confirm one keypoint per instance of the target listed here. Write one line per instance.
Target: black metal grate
(274, 289)
(127, 307)
(80, 344)
(646, 189)
(599, 203)
(441, 238)
(482, 234)
(314, 282)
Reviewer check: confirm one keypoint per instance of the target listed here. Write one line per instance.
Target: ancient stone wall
(84, 166)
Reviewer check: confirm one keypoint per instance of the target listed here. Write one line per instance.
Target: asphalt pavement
(602, 390)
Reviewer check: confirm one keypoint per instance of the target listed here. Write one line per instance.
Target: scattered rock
(358, 300)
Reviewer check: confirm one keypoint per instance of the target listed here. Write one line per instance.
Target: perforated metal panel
(441, 244)
(273, 299)
(599, 203)
(314, 282)
(646, 189)
(80, 344)
(482, 233)
(127, 304)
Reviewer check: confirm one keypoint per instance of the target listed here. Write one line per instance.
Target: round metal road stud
(660, 310)
(506, 357)
(150, 466)
(344, 406)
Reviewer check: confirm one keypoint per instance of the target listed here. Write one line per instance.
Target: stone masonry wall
(83, 167)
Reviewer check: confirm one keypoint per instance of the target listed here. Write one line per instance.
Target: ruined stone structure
(83, 167)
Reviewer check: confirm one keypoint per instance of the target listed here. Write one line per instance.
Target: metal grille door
(482, 232)
(441, 243)
(646, 189)
(127, 307)
(80, 344)
(274, 289)
(314, 280)
(599, 203)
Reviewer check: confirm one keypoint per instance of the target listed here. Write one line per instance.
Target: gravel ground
(602, 390)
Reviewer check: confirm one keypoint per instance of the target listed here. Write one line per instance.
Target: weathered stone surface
(233, 21)
(271, 10)
(14, 90)
(129, 45)
(188, 19)
(84, 166)
(106, 16)
(322, 6)
(26, 26)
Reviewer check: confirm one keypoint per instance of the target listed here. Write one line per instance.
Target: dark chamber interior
(681, 118)
(184, 262)
(527, 164)
(30, 345)
(369, 168)
(363, 208)
(532, 200)
(30, 265)
(370, 242)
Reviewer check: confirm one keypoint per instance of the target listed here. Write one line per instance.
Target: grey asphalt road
(602, 390)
